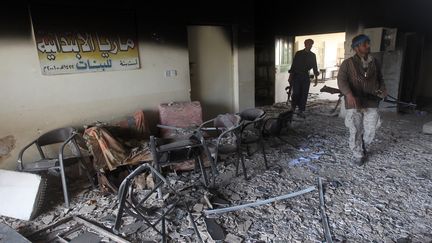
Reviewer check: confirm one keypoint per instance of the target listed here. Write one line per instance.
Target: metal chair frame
(253, 120)
(65, 136)
(277, 124)
(128, 203)
(223, 132)
(187, 148)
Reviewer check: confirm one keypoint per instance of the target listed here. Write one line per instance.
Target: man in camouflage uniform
(360, 81)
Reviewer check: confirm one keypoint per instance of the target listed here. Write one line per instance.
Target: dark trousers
(300, 88)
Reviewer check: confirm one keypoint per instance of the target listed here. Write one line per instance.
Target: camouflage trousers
(362, 125)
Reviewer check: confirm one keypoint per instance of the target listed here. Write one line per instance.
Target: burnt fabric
(136, 122)
(121, 144)
(109, 153)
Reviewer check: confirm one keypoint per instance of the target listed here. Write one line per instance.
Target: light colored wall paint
(325, 47)
(211, 60)
(33, 103)
(246, 70)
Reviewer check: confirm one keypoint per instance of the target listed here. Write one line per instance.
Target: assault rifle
(332, 90)
(388, 98)
(288, 90)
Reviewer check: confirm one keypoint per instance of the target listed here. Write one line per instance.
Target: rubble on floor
(387, 200)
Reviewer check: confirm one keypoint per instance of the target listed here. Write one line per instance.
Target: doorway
(211, 68)
(329, 50)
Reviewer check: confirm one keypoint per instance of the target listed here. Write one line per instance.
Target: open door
(264, 73)
(329, 51)
(413, 45)
(284, 51)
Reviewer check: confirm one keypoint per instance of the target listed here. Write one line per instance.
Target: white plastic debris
(18, 193)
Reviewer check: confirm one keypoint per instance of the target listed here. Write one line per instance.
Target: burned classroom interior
(176, 121)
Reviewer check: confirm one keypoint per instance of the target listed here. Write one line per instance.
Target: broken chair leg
(130, 203)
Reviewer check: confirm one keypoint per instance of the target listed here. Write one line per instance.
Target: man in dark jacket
(360, 81)
(304, 60)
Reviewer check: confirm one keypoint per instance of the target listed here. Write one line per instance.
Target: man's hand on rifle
(351, 100)
(381, 93)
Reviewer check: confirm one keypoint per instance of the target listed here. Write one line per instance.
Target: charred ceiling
(315, 17)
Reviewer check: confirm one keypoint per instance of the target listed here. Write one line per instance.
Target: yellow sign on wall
(76, 48)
